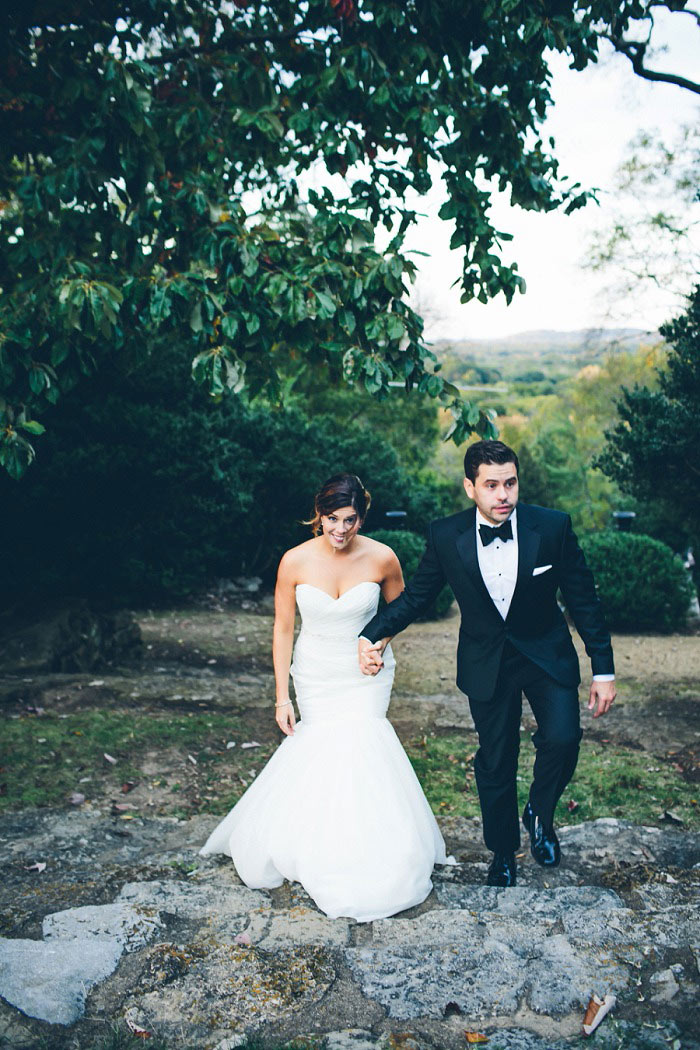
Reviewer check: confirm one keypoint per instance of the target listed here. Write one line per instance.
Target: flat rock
(229, 989)
(350, 1039)
(606, 840)
(303, 926)
(130, 927)
(487, 961)
(50, 981)
(193, 900)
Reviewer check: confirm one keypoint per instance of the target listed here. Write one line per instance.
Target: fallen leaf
(250, 743)
(109, 758)
(596, 1010)
(230, 744)
(76, 799)
(39, 866)
(476, 1037)
(137, 1030)
(121, 807)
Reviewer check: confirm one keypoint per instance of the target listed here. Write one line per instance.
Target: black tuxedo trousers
(529, 652)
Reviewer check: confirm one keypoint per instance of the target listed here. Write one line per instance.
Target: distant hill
(537, 355)
(545, 341)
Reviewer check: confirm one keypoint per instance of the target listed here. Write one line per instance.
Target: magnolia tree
(166, 171)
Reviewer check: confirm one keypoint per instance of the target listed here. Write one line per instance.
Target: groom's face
(494, 490)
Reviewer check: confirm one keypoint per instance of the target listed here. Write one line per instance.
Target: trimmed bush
(409, 547)
(641, 583)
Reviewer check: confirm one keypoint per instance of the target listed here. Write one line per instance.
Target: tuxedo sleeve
(578, 589)
(416, 598)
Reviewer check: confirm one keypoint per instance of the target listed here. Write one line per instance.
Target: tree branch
(228, 42)
(635, 52)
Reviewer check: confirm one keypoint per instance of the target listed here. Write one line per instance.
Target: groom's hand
(601, 697)
(370, 655)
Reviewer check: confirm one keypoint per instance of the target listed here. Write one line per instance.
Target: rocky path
(125, 923)
(174, 944)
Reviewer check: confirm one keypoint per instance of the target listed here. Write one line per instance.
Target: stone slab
(50, 980)
(230, 988)
(131, 927)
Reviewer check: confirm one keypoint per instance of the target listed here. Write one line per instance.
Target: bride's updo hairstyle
(342, 490)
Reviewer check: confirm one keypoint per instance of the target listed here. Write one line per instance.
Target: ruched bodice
(338, 807)
(327, 677)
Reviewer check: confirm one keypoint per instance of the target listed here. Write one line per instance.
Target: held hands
(370, 655)
(284, 716)
(602, 694)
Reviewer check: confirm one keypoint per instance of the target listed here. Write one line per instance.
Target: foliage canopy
(652, 452)
(166, 174)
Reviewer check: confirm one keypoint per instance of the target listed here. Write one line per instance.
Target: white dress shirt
(498, 564)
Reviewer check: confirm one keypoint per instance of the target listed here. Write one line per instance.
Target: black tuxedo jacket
(534, 624)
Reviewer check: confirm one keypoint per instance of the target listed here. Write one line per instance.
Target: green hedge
(409, 548)
(641, 583)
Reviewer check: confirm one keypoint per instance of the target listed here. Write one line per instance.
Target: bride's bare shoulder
(296, 557)
(381, 553)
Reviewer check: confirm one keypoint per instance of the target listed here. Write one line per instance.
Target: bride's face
(340, 527)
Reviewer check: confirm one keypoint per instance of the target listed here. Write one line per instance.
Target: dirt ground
(214, 664)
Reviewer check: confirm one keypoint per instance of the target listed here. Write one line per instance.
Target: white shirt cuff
(603, 677)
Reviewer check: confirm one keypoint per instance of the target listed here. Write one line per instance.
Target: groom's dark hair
(487, 452)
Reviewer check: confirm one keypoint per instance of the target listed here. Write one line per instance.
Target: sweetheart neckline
(353, 588)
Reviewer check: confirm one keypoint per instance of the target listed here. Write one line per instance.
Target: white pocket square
(541, 569)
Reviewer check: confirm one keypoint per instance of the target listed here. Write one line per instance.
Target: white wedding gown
(338, 807)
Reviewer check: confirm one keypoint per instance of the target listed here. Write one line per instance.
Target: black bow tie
(501, 532)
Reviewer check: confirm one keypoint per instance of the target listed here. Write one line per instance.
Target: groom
(505, 564)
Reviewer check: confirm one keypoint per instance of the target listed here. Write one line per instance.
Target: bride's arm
(392, 585)
(282, 643)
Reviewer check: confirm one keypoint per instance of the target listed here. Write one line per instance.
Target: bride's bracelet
(285, 704)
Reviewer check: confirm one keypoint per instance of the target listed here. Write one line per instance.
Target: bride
(338, 807)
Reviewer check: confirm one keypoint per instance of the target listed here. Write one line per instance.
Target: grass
(610, 781)
(47, 758)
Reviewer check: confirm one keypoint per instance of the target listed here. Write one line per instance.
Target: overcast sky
(595, 115)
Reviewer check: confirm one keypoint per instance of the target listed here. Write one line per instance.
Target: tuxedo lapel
(528, 549)
(466, 548)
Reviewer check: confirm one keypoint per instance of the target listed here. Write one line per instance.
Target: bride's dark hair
(342, 490)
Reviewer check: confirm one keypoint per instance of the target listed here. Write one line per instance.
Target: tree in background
(158, 167)
(652, 451)
(146, 492)
(564, 432)
(653, 238)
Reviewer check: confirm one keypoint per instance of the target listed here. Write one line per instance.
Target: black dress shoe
(502, 870)
(544, 844)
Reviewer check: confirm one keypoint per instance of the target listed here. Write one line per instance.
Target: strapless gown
(338, 806)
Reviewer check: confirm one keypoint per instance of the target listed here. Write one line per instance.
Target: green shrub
(409, 548)
(641, 583)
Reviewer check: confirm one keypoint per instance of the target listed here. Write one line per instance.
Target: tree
(652, 238)
(157, 181)
(652, 452)
(564, 434)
